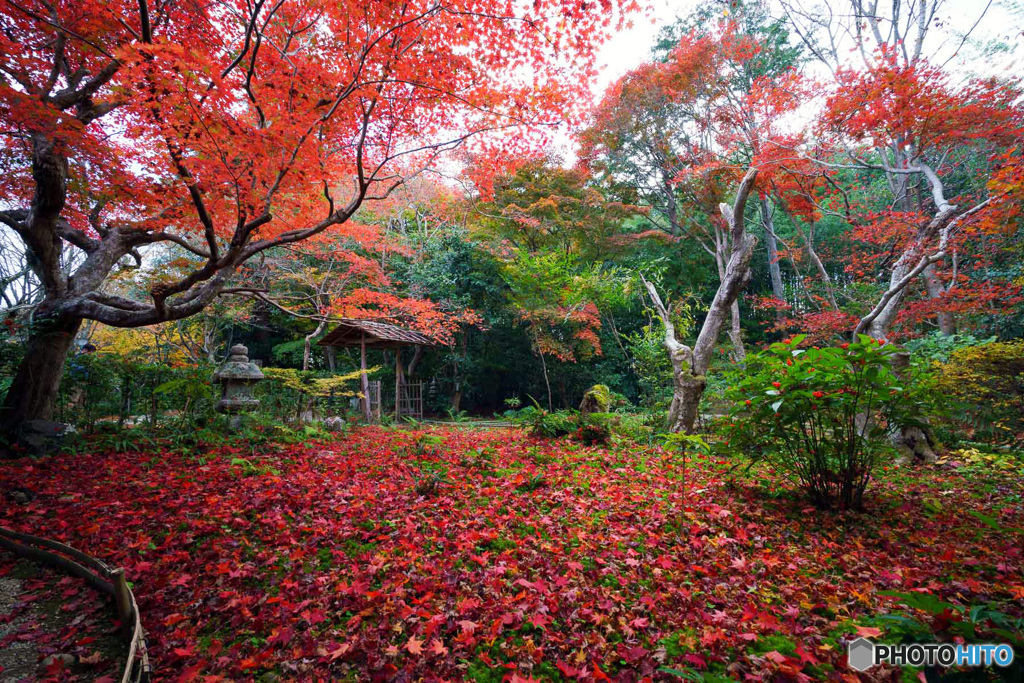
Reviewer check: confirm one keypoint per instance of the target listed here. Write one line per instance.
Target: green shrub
(545, 424)
(985, 385)
(821, 416)
(594, 428)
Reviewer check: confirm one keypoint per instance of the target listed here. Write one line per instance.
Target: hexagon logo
(861, 654)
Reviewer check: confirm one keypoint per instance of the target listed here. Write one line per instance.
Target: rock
(65, 659)
(598, 399)
(39, 437)
(334, 424)
(20, 495)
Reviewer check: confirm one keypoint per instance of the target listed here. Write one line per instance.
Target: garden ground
(471, 554)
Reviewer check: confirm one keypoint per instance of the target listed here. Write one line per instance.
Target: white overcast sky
(1003, 20)
(1000, 20)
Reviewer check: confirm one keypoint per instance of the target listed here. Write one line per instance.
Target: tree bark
(739, 352)
(33, 391)
(936, 290)
(307, 347)
(547, 382)
(768, 221)
(417, 351)
(689, 366)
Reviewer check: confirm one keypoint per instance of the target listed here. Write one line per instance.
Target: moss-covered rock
(597, 399)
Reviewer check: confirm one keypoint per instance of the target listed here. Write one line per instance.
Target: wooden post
(363, 381)
(398, 382)
(123, 600)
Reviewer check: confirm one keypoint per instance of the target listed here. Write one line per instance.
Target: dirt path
(50, 622)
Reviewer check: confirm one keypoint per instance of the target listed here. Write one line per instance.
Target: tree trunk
(689, 366)
(547, 382)
(307, 347)
(686, 394)
(399, 382)
(417, 351)
(936, 290)
(33, 391)
(670, 204)
(768, 221)
(739, 352)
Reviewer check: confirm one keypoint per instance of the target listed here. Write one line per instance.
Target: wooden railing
(101, 577)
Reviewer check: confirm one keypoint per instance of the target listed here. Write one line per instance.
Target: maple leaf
(540, 620)
(806, 656)
(776, 657)
(414, 645)
(566, 669)
(695, 660)
(869, 631)
(339, 651)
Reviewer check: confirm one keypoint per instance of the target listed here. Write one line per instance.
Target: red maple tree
(222, 129)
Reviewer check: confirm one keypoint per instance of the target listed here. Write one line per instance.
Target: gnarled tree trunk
(689, 366)
(33, 391)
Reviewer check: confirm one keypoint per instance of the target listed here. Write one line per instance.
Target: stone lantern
(237, 376)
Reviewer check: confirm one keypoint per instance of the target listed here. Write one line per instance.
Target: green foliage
(428, 476)
(938, 347)
(594, 429)
(948, 622)
(683, 443)
(102, 390)
(313, 385)
(249, 469)
(549, 425)
(822, 416)
(985, 385)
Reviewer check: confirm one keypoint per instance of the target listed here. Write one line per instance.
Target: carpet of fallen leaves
(493, 556)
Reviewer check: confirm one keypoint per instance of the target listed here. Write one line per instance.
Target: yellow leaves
(862, 598)
(307, 383)
(975, 457)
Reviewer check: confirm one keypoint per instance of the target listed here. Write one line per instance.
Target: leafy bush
(821, 416)
(102, 390)
(638, 428)
(594, 428)
(938, 347)
(545, 424)
(924, 618)
(289, 390)
(985, 383)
